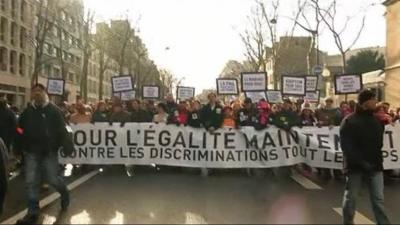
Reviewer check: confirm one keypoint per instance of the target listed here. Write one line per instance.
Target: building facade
(16, 53)
(392, 70)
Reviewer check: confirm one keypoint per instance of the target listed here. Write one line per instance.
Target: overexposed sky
(204, 34)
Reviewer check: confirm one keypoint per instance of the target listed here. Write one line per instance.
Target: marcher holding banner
(361, 139)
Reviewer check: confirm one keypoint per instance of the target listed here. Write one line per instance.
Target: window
(13, 34)
(3, 59)
(49, 49)
(3, 29)
(71, 76)
(47, 70)
(65, 56)
(22, 65)
(58, 52)
(22, 38)
(14, 4)
(3, 5)
(57, 72)
(13, 62)
(23, 10)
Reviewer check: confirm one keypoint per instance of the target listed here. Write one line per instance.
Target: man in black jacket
(43, 132)
(8, 123)
(361, 139)
(247, 116)
(3, 174)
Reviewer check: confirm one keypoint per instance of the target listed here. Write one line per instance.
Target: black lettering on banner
(337, 142)
(321, 141)
(280, 138)
(239, 154)
(110, 137)
(253, 155)
(101, 152)
(230, 157)
(179, 141)
(164, 141)
(286, 149)
(148, 138)
(204, 139)
(186, 154)
(295, 151)
(83, 153)
(129, 141)
(313, 151)
(268, 141)
(79, 138)
(390, 136)
(191, 145)
(176, 152)
(153, 153)
(394, 155)
(228, 140)
(295, 136)
(121, 153)
(203, 155)
(339, 157)
(264, 156)
(140, 152)
(92, 137)
(252, 142)
(273, 154)
(326, 159)
(308, 139)
(110, 153)
(220, 155)
(216, 139)
(168, 153)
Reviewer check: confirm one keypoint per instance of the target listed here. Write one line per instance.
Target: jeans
(354, 182)
(40, 168)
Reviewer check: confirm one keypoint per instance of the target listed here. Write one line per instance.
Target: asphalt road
(178, 196)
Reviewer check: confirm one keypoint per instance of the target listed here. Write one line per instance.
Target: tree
(365, 61)
(87, 49)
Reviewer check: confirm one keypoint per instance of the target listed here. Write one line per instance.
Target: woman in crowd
(138, 114)
(119, 114)
(382, 116)
(263, 117)
(81, 116)
(307, 118)
(229, 118)
(194, 119)
(101, 114)
(162, 115)
(181, 114)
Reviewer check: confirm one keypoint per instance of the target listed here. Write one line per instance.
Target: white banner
(122, 83)
(256, 96)
(274, 96)
(311, 83)
(147, 143)
(185, 93)
(227, 87)
(55, 86)
(151, 91)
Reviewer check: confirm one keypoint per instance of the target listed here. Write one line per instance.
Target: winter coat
(120, 117)
(361, 139)
(285, 119)
(43, 129)
(8, 125)
(194, 119)
(100, 117)
(141, 116)
(328, 117)
(212, 117)
(3, 173)
(247, 117)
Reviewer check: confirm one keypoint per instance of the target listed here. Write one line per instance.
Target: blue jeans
(40, 168)
(354, 181)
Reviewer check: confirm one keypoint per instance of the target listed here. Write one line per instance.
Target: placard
(256, 96)
(128, 95)
(274, 96)
(293, 85)
(55, 86)
(152, 92)
(122, 83)
(227, 86)
(185, 93)
(311, 83)
(253, 81)
(348, 84)
(312, 96)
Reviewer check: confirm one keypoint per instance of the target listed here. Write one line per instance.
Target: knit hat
(365, 95)
(306, 106)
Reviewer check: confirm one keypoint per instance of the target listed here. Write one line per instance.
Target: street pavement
(177, 196)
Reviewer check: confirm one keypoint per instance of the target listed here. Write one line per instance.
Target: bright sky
(204, 34)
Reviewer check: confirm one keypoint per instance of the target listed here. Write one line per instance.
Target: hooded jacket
(8, 125)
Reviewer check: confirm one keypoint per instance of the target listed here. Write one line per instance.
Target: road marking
(358, 218)
(193, 218)
(303, 181)
(51, 198)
